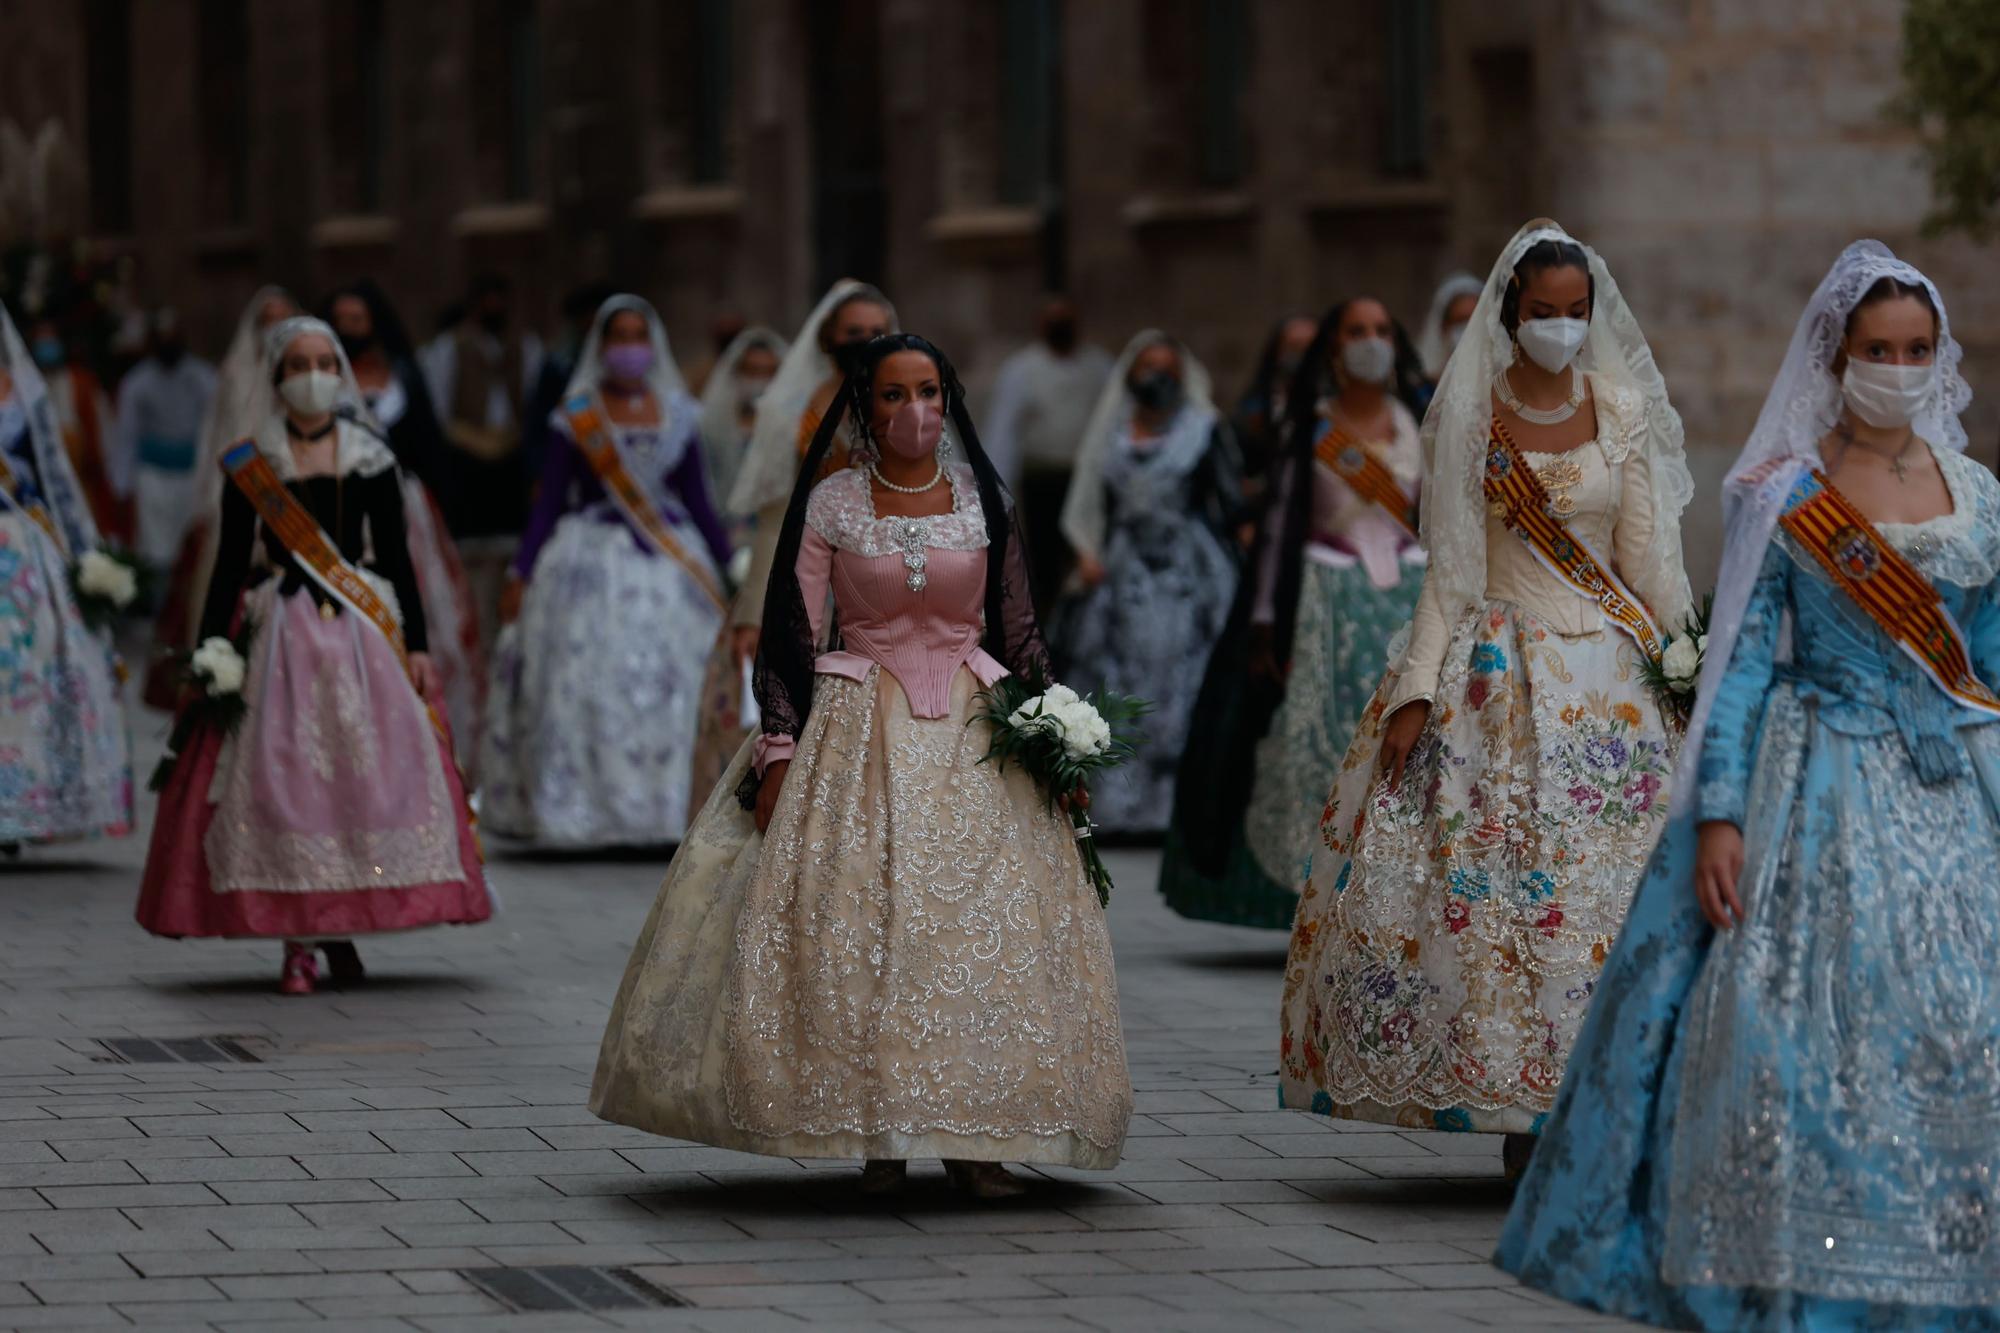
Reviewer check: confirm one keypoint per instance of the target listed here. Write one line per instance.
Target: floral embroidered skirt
(911, 964)
(1451, 933)
(1794, 1124)
(1169, 581)
(1341, 639)
(65, 765)
(590, 721)
(333, 810)
(450, 617)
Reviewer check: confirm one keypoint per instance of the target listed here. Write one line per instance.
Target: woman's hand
(743, 641)
(510, 598)
(424, 675)
(1399, 737)
(767, 794)
(1090, 569)
(1718, 865)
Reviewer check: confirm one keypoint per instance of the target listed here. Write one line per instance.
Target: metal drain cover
(569, 1287)
(178, 1050)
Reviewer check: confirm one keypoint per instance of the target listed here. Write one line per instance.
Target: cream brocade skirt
(910, 964)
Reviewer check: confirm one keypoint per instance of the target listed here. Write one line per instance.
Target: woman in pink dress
(333, 809)
(872, 944)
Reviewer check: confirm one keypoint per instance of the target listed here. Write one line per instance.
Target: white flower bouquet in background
(1674, 676)
(214, 674)
(1062, 739)
(106, 583)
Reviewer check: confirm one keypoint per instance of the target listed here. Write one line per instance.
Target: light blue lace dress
(1796, 1124)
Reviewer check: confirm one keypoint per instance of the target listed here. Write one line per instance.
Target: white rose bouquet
(106, 583)
(214, 674)
(1675, 674)
(1062, 738)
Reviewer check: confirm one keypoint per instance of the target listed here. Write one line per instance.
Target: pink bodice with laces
(911, 592)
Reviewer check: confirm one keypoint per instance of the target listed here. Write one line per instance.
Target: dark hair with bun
(1541, 257)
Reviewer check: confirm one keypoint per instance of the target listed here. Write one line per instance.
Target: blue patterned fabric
(1796, 1124)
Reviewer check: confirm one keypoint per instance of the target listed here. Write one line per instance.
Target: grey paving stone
(218, 1263)
(218, 1169)
(368, 1166)
(125, 1196)
(121, 1291)
(299, 1191)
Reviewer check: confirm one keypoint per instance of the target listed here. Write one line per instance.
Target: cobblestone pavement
(431, 1121)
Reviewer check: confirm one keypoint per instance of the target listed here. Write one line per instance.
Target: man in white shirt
(160, 408)
(1041, 403)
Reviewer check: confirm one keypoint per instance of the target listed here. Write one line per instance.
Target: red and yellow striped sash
(1517, 498)
(1369, 477)
(34, 509)
(1892, 591)
(594, 439)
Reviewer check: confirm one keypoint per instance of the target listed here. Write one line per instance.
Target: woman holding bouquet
(596, 687)
(1493, 814)
(872, 944)
(330, 807)
(1151, 516)
(1337, 573)
(65, 769)
(1784, 1106)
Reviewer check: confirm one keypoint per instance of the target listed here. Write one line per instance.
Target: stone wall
(1722, 155)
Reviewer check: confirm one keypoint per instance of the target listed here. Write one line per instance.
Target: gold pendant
(326, 611)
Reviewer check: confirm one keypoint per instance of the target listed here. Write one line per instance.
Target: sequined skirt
(910, 964)
(590, 719)
(1451, 931)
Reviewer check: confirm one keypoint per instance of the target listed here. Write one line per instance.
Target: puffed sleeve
(390, 537)
(815, 575)
(232, 561)
(1729, 746)
(1430, 639)
(1663, 590)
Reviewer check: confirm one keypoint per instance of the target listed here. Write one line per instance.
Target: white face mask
(1369, 360)
(1887, 396)
(1452, 333)
(312, 392)
(1551, 343)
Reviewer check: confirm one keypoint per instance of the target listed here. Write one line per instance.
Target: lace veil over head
(1801, 409)
(362, 449)
(771, 460)
(54, 476)
(1430, 339)
(1460, 419)
(722, 436)
(1083, 515)
(664, 379)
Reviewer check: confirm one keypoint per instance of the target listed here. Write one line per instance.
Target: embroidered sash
(593, 437)
(1883, 583)
(316, 554)
(1517, 498)
(35, 509)
(1366, 474)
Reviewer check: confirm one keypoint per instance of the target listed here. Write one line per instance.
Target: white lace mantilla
(842, 510)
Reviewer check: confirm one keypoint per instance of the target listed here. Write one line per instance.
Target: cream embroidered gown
(912, 962)
(1450, 936)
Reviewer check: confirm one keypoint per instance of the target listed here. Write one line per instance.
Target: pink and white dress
(911, 963)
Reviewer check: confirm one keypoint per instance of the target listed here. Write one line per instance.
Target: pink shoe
(301, 974)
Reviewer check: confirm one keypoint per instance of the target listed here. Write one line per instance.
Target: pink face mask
(914, 430)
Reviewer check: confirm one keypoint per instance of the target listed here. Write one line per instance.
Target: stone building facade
(1200, 165)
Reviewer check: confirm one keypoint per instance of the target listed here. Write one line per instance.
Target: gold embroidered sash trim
(317, 556)
(1369, 477)
(1892, 592)
(593, 437)
(1517, 498)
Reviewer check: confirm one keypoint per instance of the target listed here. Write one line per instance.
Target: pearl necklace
(887, 485)
(1541, 416)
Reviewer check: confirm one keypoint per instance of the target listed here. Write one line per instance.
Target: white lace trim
(842, 510)
(1962, 547)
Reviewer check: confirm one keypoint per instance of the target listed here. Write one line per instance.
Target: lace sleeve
(1025, 653)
